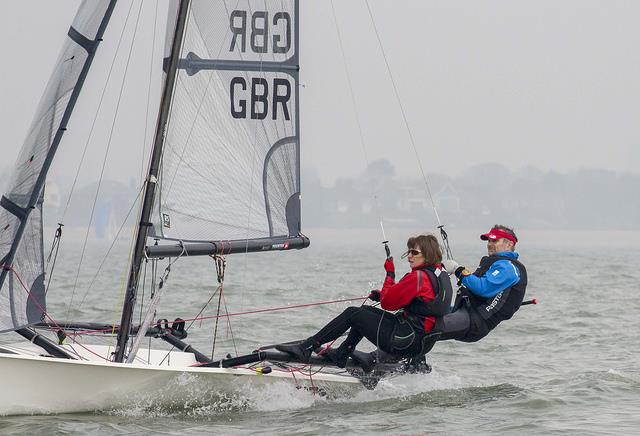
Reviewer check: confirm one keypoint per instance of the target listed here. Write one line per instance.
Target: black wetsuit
(393, 333)
(400, 334)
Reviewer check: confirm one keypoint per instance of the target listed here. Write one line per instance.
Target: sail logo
(494, 302)
(264, 96)
(166, 220)
(258, 35)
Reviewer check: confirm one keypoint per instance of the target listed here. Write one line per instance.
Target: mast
(152, 179)
(22, 213)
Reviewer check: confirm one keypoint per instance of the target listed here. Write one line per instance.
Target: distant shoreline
(530, 237)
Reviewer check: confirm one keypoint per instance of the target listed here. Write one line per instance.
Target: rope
(45, 314)
(275, 309)
(106, 154)
(215, 330)
(410, 133)
(113, 243)
(354, 106)
(95, 118)
(445, 242)
(147, 111)
(248, 312)
(55, 245)
(229, 328)
(220, 264)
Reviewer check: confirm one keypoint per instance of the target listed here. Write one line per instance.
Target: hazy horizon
(504, 87)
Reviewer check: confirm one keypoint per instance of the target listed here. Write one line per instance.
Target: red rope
(249, 312)
(44, 312)
(275, 309)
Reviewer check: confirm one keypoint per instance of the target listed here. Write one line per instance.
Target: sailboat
(229, 104)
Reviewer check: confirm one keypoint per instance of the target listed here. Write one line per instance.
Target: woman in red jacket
(400, 333)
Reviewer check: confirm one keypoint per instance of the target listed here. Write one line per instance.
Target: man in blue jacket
(490, 294)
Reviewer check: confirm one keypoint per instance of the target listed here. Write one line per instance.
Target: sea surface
(568, 365)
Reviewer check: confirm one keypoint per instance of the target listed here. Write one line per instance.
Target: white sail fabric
(230, 168)
(22, 293)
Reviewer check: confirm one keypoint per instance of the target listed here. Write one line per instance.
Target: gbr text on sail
(262, 33)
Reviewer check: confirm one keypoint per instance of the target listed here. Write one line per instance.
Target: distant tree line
(528, 197)
(586, 199)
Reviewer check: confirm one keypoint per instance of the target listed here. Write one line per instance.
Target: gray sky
(545, 83)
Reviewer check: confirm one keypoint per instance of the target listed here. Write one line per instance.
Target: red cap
(495, 234)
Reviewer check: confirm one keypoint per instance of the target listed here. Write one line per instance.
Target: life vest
(444, 296)
(492, 311)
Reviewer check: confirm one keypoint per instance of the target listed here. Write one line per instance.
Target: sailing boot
(302, 350)
(366, 361)
(340, 355)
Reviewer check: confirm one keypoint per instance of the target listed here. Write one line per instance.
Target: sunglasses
(412, 252)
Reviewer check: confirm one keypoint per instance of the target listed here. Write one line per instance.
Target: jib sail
(22, 292)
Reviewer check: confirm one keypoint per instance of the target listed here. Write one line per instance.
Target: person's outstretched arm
(499, 277)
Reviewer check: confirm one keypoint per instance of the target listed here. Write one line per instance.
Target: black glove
(374, 295)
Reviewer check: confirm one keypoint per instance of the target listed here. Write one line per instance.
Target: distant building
(447, 199)
(412, 200)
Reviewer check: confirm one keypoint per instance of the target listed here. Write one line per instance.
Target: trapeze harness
(486, 313)
(409, 335)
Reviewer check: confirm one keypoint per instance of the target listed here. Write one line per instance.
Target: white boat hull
(33, 384)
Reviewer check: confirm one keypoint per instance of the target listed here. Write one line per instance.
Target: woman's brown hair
(429, 246)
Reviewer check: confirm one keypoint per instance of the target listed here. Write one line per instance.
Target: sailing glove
(374, 295)
(390, 268)
(450, 265)
(453, 267)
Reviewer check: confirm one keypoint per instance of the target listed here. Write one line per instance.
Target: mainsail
(231, 169)
(22, 292)
(225, 166)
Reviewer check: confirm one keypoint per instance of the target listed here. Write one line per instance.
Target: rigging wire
(104, 162)
(144, 286)
(253, 165)
(84, 151)
(146, 118)
(197, 317)
(202, 101)
(354, 106)
(45, 314)
(443, 234)
(220, 264)
(115, 239)
(271, 309)
(154, 272)
(229, 327)
(202, 97)
(55, 245)
(218, 290)
(95, 117)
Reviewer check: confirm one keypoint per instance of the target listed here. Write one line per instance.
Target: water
(568, 365)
